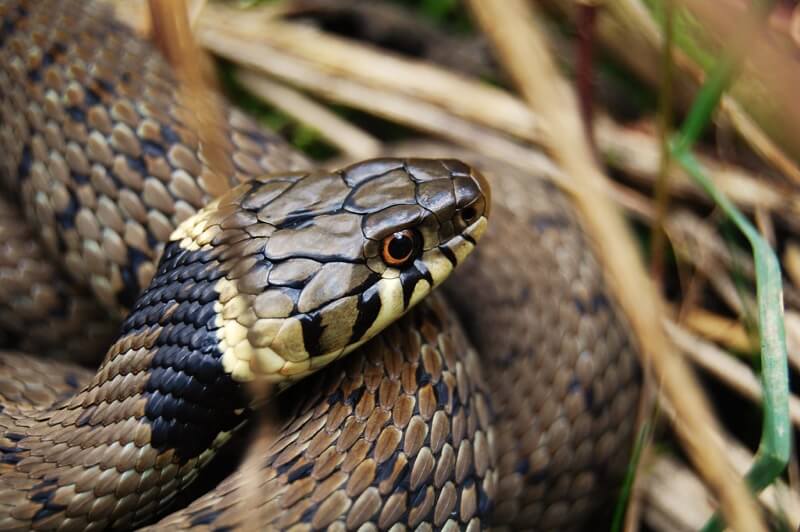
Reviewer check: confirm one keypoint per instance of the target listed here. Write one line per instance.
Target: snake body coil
(277, 278)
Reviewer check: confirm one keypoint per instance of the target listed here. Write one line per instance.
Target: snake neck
(156, 411)
(167, 364)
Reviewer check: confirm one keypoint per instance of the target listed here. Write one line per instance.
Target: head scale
(312, 265)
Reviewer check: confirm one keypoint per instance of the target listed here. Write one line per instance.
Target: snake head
(312, 265)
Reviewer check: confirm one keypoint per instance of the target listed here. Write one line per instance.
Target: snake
(505, 400)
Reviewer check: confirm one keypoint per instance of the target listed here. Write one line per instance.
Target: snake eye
(400, 248)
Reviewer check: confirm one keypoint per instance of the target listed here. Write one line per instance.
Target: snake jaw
(477, 229)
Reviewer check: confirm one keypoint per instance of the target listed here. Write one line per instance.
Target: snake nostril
(469, 214)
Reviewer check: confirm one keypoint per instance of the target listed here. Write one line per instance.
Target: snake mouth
(475, 231)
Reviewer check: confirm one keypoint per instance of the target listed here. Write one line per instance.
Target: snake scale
(399, 418)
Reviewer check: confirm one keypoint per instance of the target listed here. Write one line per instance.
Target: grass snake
(508, 403)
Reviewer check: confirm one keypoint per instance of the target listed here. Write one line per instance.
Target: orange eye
(399, 248)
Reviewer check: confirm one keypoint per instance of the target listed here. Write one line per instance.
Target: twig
(636, 152)
(791, 261)
(585, 66)
(339, 132)
(345, 74)
(697, 243)
(792, 320)
(768, 70)
(343, 59)
(716, 328)
(402, 108)
(758, 140)
(661, 192)
(397, 27)
(628, 29)
(631, 35)
(675, 499)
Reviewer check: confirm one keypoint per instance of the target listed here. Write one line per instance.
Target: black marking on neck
(169, 135)
(66, 218)
(76, 113)
(137, 164)
(190, 397)
(42, 494)
(152, 148)
(206, 516)
(598, 302)
(91, 97)
(6, 30)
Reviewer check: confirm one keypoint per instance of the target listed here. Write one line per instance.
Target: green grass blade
(775, 445)
(630, 477)
(776, 435)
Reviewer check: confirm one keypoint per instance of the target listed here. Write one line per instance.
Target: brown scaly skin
(25, 380)
(38, 304)
(556, 437)
(557, 356)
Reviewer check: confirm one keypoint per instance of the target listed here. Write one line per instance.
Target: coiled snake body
(405, 425)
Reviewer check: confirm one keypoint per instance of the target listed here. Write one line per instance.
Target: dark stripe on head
(409, 277)
(447, 252)
(420, 265)
(312, 332)
(369, 304)
(372, 279)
